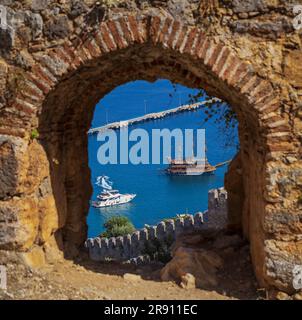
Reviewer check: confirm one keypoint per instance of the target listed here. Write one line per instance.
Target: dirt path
(84, 279)
(68, 280)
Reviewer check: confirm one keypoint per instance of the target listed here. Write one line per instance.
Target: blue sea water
(158, 195)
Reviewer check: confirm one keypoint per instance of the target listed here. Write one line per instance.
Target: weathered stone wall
(58, 58)
(134, 245)
(216, 216)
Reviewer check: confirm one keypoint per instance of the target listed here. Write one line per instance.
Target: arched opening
(66, 83)
(68, 111)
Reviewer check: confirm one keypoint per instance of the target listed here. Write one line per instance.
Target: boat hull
(113, 202)
(189, 173)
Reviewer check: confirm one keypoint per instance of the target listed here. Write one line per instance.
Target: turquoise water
(158, 195)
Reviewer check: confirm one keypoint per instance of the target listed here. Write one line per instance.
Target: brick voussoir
(262, 89)
(221, 62)
(210, 54)
(190, 40)
(218, 48)
(230, 68)
(45, 74)
(12, 131)
(107, 37)
(125, 27)
(117, 35)
(242, 70)
(200, 39)
(270, 107)
(138, 29)
(203, 49)
(273, 120)
(246, 79)
(279, 134)
(27, 96)
(175, 29)
(54, 64)
(77, 62)
(154, 28)
(39, 83)
(250, 83)
(281, 128)
(276, 122)
(38, 80)
(24, 106)
(32, 91)
(280, 146)
(84, 53)
(63, 54)
(69, 51)
(278, 139)
(265, 101)
(100, 42)
(178, 41)
(91, 46)
(164, 33)
(262, 98)
(268, 116)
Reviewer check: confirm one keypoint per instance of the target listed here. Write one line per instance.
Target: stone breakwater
(151, 116)
(132, 246)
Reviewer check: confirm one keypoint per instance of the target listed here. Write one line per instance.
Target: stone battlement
(132, 246)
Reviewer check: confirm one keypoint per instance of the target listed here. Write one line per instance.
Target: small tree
(117, 226)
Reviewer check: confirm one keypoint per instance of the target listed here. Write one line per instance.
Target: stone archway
(45, 185)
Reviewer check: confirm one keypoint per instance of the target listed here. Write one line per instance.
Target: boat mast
(107, 117)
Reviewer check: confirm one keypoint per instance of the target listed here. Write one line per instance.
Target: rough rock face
(58, 58)
(234, 185)
(192, 268)
(200, 260)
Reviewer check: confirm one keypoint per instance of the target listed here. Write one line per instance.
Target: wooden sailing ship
(192, 166)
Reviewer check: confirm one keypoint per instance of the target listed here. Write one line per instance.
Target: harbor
(151, 116)
(160, 194)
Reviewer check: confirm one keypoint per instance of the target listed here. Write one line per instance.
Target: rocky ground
(203, 267)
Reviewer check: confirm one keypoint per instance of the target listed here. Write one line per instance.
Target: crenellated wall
(132, 246)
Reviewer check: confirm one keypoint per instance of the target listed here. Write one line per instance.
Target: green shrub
(34, 134)
(117, 226)
(159, 250)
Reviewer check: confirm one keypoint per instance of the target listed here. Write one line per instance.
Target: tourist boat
(192, 167)
(110, 197)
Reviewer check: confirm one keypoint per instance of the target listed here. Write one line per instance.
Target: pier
(151, 116)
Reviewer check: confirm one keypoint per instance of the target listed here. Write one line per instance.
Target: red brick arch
(182, 53)
(119, 34)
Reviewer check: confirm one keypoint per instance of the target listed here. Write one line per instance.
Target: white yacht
(110, 197)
